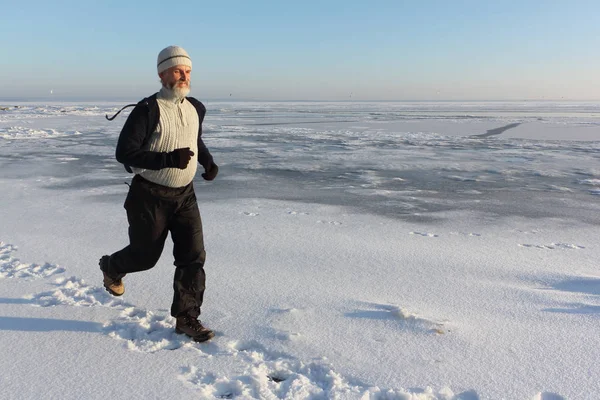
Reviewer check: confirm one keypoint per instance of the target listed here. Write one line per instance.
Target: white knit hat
(172, 56)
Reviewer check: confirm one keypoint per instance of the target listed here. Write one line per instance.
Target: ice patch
(593, 182)
(19, 132)
(559, 188)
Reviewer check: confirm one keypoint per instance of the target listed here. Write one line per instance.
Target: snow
(355, 251)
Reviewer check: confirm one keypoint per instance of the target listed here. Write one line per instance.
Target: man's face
(177, 77)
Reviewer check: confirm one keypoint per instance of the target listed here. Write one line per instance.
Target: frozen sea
(356, 250)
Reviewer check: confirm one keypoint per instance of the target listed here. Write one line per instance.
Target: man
(160, 142)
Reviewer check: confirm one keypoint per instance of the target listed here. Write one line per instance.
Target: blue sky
(312, 50)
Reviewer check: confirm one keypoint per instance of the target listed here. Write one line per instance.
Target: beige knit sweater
(177, 128)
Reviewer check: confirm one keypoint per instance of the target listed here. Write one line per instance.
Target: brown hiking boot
(191, 327)
(114, 285)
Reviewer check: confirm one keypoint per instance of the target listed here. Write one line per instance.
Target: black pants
(153, 211)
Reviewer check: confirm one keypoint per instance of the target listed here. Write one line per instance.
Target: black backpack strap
(149, 102)
(151, 105)
(153, 118)
(153, 114)
(118, 112)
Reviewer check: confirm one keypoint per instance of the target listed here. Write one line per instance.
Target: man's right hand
(180, 157)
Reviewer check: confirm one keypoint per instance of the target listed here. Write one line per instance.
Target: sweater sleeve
(130, 150)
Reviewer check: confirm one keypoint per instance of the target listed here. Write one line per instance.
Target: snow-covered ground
(355, 251)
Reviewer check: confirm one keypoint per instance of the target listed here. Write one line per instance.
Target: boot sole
(199, 338)
(113, 292)
(105, 276)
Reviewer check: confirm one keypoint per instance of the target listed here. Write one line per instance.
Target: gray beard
(176, 92)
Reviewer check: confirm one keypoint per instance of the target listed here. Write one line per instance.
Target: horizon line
(229, 99)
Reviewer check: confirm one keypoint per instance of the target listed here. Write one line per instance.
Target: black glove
(180, 157)
(211, 172)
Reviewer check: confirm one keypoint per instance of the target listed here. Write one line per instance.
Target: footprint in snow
(264, 373)
(466, 234)
(75, 292)
(297, 213)
(283, 315)
(530, 232)
(250, 214)
(282, 378)
(553, 246)
(276, 379)
(329, 222)
(141, 329)
(11, 267)
(146, 332)
(425, 234)
(252, 351)
(286, 323)
(408, 320)
(287, 335)
(548, 396)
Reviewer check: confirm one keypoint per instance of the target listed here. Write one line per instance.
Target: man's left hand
(211, 172)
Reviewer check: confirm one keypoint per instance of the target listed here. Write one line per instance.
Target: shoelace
(195, 324)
